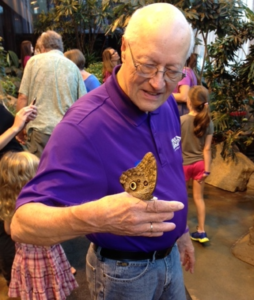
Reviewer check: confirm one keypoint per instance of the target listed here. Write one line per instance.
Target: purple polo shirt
(102, 135)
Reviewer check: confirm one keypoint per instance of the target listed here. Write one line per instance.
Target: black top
(6, 121)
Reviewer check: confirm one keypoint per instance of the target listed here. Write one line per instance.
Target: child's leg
(198, 197)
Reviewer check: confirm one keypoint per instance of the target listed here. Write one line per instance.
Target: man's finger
(163, 206)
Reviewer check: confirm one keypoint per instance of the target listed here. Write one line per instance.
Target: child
(197, 132)
(38, 272)
(10, 126)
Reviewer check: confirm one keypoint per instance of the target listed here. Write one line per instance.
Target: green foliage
(8, 86)
(205, 16)
(8, 59)
(79, 22)
(2, 59)
(96, 69)
(232, 87)
(12, 59)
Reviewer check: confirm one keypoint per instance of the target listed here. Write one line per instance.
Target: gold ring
(151, 227)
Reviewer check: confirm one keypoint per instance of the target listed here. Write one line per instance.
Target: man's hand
(122, 214)
(119, 214)
(187, 255)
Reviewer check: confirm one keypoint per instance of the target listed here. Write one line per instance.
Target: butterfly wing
(140, 181)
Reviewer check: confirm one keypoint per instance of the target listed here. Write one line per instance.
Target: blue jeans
(135, 280)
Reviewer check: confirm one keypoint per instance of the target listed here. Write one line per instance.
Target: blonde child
(197, 132)
(38, 272)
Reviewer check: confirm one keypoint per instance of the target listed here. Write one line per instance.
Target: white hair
(156, 14)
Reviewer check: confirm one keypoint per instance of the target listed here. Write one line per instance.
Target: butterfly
(140, 181)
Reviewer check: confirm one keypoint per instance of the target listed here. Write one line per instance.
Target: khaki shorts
(36, 142)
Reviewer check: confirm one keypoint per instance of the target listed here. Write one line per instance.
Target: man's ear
(123, 48)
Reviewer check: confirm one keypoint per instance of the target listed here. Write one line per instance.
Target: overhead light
(33, 2)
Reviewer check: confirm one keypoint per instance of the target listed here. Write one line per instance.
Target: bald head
(160, 22)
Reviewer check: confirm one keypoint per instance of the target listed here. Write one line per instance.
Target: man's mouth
(152, 93)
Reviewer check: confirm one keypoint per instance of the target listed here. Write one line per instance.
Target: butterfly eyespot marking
(140, 181)
(133, 186)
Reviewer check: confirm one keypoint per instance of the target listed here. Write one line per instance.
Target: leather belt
(122, 255)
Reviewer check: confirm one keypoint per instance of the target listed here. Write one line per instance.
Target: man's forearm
(38, 224)
(21, 102)
(119, 214)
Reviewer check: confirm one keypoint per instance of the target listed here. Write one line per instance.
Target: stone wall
(231, 174)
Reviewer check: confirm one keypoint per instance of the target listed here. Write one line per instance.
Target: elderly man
(133, 252)
(56, 84)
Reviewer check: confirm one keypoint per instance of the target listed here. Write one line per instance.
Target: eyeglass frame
(167, 79)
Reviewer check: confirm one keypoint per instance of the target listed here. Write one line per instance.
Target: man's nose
(158, 81)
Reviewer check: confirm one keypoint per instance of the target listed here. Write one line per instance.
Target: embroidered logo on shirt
(176, 142)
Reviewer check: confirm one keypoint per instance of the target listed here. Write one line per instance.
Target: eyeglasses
(149, 71)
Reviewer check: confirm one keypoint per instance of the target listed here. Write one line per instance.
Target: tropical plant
(7, 59)
(205, 16)
(232, 88)
(78, 21)
(96, 69)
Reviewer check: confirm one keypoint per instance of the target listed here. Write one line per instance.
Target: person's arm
(120, 214)
(182, 96)
(21, 102)
(207, 152)
(19, 122)
(207, 156)
(187, 253)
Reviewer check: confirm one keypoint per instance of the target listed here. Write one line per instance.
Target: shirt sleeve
(92, 82)
(66, 175)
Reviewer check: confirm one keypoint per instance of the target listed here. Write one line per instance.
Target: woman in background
(75, 55)
(110, 59)
(181, 91)
(26, 52)
(197, 133)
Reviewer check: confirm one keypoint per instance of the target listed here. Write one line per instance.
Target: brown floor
(219, 275)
